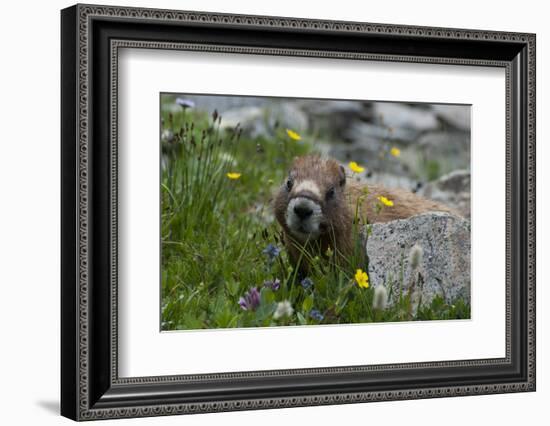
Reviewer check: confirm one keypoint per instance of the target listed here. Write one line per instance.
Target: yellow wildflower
(356, 167)
(362, 278)
(293, 135)
(233, 175)
(387, 202)
(396, 152)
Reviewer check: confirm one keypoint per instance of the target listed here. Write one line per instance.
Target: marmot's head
(311, 200)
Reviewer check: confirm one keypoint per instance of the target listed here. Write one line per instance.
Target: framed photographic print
(263, 212)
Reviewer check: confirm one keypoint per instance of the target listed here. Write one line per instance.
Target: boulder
(456, 115)
(251, 119)
(288, 115)
(403, 116)
(329, 107)
(359, 131)
(448, 150)
(332, 119)
(452, 189)
(444, 264)
(256, 121)
(221, 103)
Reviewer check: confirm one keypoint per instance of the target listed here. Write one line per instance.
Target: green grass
(214, 232)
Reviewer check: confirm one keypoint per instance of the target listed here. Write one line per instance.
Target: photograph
(305, 212)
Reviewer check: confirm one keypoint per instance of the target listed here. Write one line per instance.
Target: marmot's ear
(342, 175)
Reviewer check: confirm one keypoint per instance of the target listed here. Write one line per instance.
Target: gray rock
(221, 103)
(359, 131)
(209, 103)
(452, 189)
(329, 107)
(358, 151)
(448, 150)
(288, 115)
(251, 119)
(456, 115)
(444, 265)
(258, 121)
(332, 118)
(402, 116)
(452, 140)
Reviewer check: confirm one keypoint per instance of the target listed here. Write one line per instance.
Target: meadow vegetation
(223, 264)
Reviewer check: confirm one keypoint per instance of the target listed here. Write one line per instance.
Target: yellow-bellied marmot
(316, 207)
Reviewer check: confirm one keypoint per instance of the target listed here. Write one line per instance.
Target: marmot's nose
(302, 211)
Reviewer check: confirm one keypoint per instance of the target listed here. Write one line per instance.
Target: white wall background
(29, 211)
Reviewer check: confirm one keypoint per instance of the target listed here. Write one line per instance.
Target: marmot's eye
(330, 193)
(289, 184)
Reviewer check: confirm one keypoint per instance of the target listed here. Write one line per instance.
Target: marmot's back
(405, 203)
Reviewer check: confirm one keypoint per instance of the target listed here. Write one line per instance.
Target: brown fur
(339, 212)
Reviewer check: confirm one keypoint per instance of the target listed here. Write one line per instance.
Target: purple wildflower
(251, 300)
(271, 251)
(306, 283)
(273, 284)
(185, 103)
(316, 315)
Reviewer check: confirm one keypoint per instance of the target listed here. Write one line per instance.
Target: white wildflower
(380, 298)
(167, 135)
(284, 309)
(415, 256)
(416, 298)
(229, 159)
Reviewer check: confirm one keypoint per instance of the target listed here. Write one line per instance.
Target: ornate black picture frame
(91, 36)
